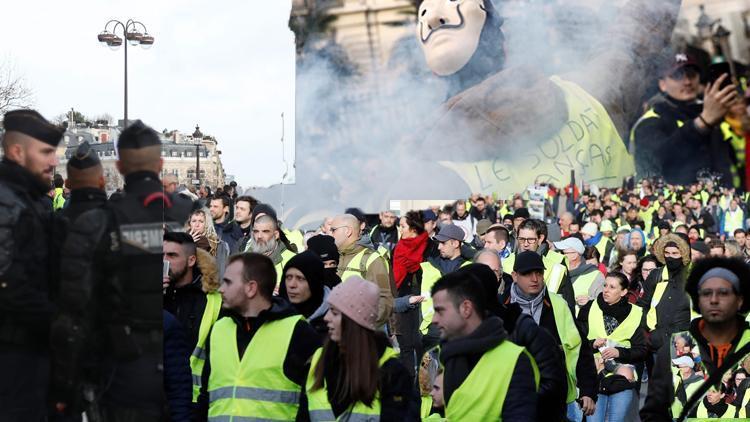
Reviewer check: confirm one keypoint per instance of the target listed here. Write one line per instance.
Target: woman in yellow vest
(356, 375)
(612, 326)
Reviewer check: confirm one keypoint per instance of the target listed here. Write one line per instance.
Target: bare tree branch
(14, 93)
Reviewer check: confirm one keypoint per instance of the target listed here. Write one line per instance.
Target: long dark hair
(357, 355)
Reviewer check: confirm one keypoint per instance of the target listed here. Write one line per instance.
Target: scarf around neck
(407, 256)
(529, 305)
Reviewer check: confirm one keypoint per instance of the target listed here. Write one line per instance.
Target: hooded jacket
(187, 303)
(673, 309)
(303, 344)
(461, 355)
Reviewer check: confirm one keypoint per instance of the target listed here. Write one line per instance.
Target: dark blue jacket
(178, 381)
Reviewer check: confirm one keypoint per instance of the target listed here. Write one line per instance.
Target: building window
(175, 154)
(188, 153)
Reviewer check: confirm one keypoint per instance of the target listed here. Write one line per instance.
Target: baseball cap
(450, 232)
(429, 215)
(680, 61)
(683, 361)
(528, 261)
(571, 243)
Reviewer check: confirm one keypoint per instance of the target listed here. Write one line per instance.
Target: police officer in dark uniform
(107, 337)
(85, 181)
(26, 263)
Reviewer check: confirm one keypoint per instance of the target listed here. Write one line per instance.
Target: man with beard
(26, 264)
(265, 241)
(228, 231)
(243, 211)
(191, 295)
(385, 234)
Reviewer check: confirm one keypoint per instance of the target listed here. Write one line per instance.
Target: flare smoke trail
(364, 138)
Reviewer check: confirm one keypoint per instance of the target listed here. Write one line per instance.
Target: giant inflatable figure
(506, 128)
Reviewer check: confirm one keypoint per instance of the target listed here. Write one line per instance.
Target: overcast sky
(228, 66)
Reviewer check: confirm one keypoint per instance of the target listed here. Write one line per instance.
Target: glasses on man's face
(333, 229)
(529, 240)
(721, 293)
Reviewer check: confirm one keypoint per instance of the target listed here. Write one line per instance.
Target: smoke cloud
(367, 137)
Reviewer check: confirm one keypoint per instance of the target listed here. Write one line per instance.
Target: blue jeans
(612, 408)
(574, 412)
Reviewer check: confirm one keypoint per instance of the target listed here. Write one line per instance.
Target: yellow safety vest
(319, 407)
(601, 246)
(430, 276)
(622, 334)
(659, 289)
(737, 142)
(359, 264)
(570, 339)
(286, 255)
(583, 282)
(733, 220)
(58, 202)
(425, 407)
(481, 395)
(198, 358)
(587, 143)
(254, 386)
(295, 237)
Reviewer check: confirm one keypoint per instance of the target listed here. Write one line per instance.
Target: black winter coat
(672, 311)
(27, 259)
(677, 152)
(553, 383)
(82, 200)
(178, 381)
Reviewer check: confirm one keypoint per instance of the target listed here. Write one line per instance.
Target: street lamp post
(133, 36)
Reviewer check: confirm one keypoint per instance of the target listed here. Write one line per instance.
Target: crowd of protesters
(613, 304)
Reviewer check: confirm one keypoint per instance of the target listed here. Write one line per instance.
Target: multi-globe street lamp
(131, 32)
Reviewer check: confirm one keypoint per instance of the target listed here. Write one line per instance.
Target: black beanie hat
(324, 246)
(311, 267)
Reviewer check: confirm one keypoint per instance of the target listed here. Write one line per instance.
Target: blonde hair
(209, 231)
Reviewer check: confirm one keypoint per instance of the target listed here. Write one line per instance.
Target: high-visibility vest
(570, 339)
(58, 202)
(295, 237)
(601, 246)
(286, 255)
(701, 411)
(430, 276)
(198, 358)
(733, 220)
(661, 286)
(425, 407)
(481, 395)
(583, 282)
(737, 142)
(622, 334)
(359, 264)
(256, 385)
(320, 409)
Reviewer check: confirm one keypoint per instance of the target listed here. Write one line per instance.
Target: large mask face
(449, 32)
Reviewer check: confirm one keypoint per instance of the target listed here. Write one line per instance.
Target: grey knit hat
(357, 298)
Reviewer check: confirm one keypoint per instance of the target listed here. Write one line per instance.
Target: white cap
(683, 361)
(571, 243)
